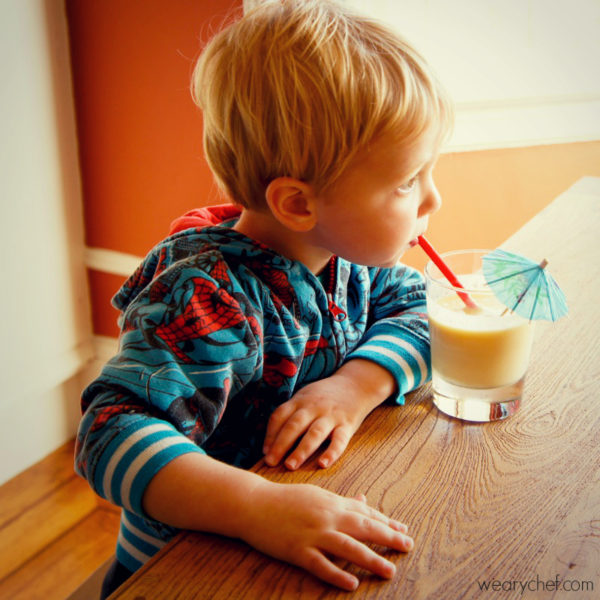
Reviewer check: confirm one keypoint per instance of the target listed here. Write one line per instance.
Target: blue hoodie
(217, 330)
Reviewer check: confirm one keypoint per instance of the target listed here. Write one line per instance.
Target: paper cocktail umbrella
(524, 286)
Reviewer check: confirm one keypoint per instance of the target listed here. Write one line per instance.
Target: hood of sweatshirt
(208, 231)
(209, 216)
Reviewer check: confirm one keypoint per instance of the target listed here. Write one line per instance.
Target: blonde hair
(297, 87)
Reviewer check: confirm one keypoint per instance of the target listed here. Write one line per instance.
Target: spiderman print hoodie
(217, 330)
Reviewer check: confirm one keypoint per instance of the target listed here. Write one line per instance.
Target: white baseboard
(111, 261)
(104, 349)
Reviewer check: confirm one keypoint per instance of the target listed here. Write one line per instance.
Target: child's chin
(381, 263)
(388, 264)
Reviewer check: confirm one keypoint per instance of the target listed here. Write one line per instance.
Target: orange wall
(140, 133)
(141, 149)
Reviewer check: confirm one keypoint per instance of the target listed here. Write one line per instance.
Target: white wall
(522, 72)
(45, 326)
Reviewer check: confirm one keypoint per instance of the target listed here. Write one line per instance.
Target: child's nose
(432, 201)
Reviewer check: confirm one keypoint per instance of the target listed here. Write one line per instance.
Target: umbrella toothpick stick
(447, 272)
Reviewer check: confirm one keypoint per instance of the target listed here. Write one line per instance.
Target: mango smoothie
(478, 348)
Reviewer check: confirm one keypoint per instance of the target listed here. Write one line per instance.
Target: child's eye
(408, 186)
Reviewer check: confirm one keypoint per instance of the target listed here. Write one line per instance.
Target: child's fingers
(324, 569)
(290, 431)
(346, 547)
(375, 531)
(316, 434)
(397, 525)
(339, 440)
(280, 415)
(364, 509)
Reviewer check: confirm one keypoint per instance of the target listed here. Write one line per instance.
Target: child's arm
(391, 360)
(301, 524)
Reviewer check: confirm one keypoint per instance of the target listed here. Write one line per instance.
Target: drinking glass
(479, 355)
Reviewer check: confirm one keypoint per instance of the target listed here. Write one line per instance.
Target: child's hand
(332, 408)
(307, 526)
(321, 410)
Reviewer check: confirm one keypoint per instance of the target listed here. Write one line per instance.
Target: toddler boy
(277, 323)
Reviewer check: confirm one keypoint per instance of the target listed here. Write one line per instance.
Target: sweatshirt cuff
(407, 362)
(133, 458)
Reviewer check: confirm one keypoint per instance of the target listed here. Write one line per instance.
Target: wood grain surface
(515, 503)
(54, 531)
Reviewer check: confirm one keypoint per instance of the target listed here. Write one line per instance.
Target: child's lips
(413, 243)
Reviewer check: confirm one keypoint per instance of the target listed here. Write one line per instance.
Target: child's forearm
(301, 524)
(374, 381)
(197, 492)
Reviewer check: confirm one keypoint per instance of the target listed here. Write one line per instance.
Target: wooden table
(512, 504)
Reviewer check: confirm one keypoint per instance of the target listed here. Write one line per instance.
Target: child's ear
(292, 203)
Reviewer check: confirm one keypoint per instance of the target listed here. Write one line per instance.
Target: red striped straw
(446, 270)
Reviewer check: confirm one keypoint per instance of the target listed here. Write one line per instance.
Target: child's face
(380, 203)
